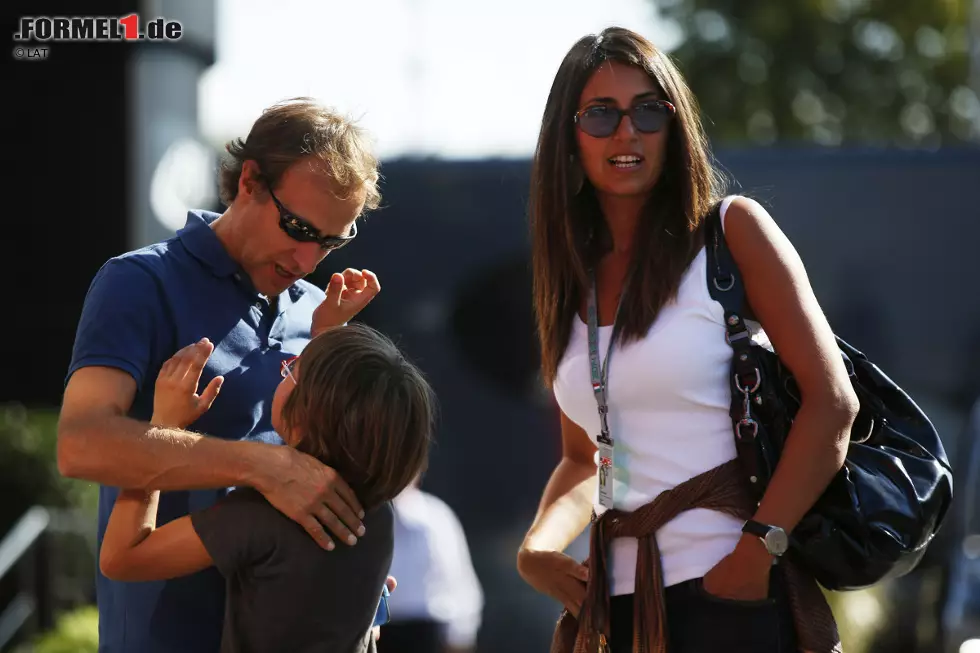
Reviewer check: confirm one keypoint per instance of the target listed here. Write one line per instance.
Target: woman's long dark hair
(568, 232)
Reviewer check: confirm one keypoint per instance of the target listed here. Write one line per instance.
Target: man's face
(270, 256)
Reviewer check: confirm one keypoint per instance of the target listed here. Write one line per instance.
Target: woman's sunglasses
(302, 231)
(602, 120)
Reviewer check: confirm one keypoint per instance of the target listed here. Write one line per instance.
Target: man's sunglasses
(302, 231)
(602, 120)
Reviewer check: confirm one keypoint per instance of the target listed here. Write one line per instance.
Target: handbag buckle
(747, 422)
(746, 390)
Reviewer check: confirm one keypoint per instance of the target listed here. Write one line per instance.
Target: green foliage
(29, 476)
(829, 72)
(75, 632)
(29, 469)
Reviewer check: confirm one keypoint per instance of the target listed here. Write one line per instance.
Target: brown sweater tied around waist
(721, 489)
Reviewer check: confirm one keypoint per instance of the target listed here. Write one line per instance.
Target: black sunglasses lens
(599, 122)
(297, 231)
(649, 118)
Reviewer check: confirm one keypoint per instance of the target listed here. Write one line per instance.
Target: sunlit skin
(621, 191)
(250, 229)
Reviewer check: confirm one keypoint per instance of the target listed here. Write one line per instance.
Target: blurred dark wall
(65, 203)
(84, 134)
(889, 239)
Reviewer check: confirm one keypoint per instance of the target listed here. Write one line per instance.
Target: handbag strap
(724, 280)
(725, 286)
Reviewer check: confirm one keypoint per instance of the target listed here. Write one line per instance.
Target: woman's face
(627, 162)
(290, 372)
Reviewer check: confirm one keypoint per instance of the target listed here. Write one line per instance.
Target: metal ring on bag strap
(731, 283)
(758, 382)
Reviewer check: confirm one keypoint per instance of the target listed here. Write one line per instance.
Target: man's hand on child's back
(311, 494)
(175, 400)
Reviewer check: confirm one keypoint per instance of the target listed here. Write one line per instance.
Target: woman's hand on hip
(555, 574)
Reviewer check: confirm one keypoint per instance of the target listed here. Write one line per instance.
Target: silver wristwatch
(775, 538)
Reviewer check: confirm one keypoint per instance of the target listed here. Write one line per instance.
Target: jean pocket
(708, 596)
(736, 626)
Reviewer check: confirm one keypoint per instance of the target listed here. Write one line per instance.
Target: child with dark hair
(350, 400)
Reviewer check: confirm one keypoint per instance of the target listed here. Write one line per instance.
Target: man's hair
(364, 410)
(296, 129)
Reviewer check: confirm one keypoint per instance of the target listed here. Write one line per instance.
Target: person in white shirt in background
(439, 604)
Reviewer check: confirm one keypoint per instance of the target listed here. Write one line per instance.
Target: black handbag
(879, 513)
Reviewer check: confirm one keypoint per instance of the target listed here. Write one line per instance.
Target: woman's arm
(780, 295)
(564, 512)
(779, 292)
(566, 505)
(133, 549)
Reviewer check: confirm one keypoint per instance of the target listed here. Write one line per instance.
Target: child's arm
(133, 549)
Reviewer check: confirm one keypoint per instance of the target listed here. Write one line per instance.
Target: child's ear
(294, 432)
(292, 435)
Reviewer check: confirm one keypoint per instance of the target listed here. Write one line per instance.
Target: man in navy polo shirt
(293, 191)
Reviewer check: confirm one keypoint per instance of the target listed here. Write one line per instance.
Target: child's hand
(347, 294)
(176, 402)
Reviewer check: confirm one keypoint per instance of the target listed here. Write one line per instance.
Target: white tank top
(668, 401)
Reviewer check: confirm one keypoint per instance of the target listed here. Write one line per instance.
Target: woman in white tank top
(621, 185)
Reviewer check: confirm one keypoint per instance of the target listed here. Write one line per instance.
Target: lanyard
(600, 384)
(600, 375)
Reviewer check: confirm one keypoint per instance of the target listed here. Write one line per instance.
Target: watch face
(776, 541)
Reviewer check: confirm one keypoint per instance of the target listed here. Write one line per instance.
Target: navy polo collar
(201, 241)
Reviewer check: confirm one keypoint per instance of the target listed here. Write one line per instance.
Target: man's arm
(97, 442)
(123, 322)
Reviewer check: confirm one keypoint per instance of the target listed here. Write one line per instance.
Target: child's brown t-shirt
(285, 593)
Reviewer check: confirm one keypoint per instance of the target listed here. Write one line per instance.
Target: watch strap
(758, 529)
